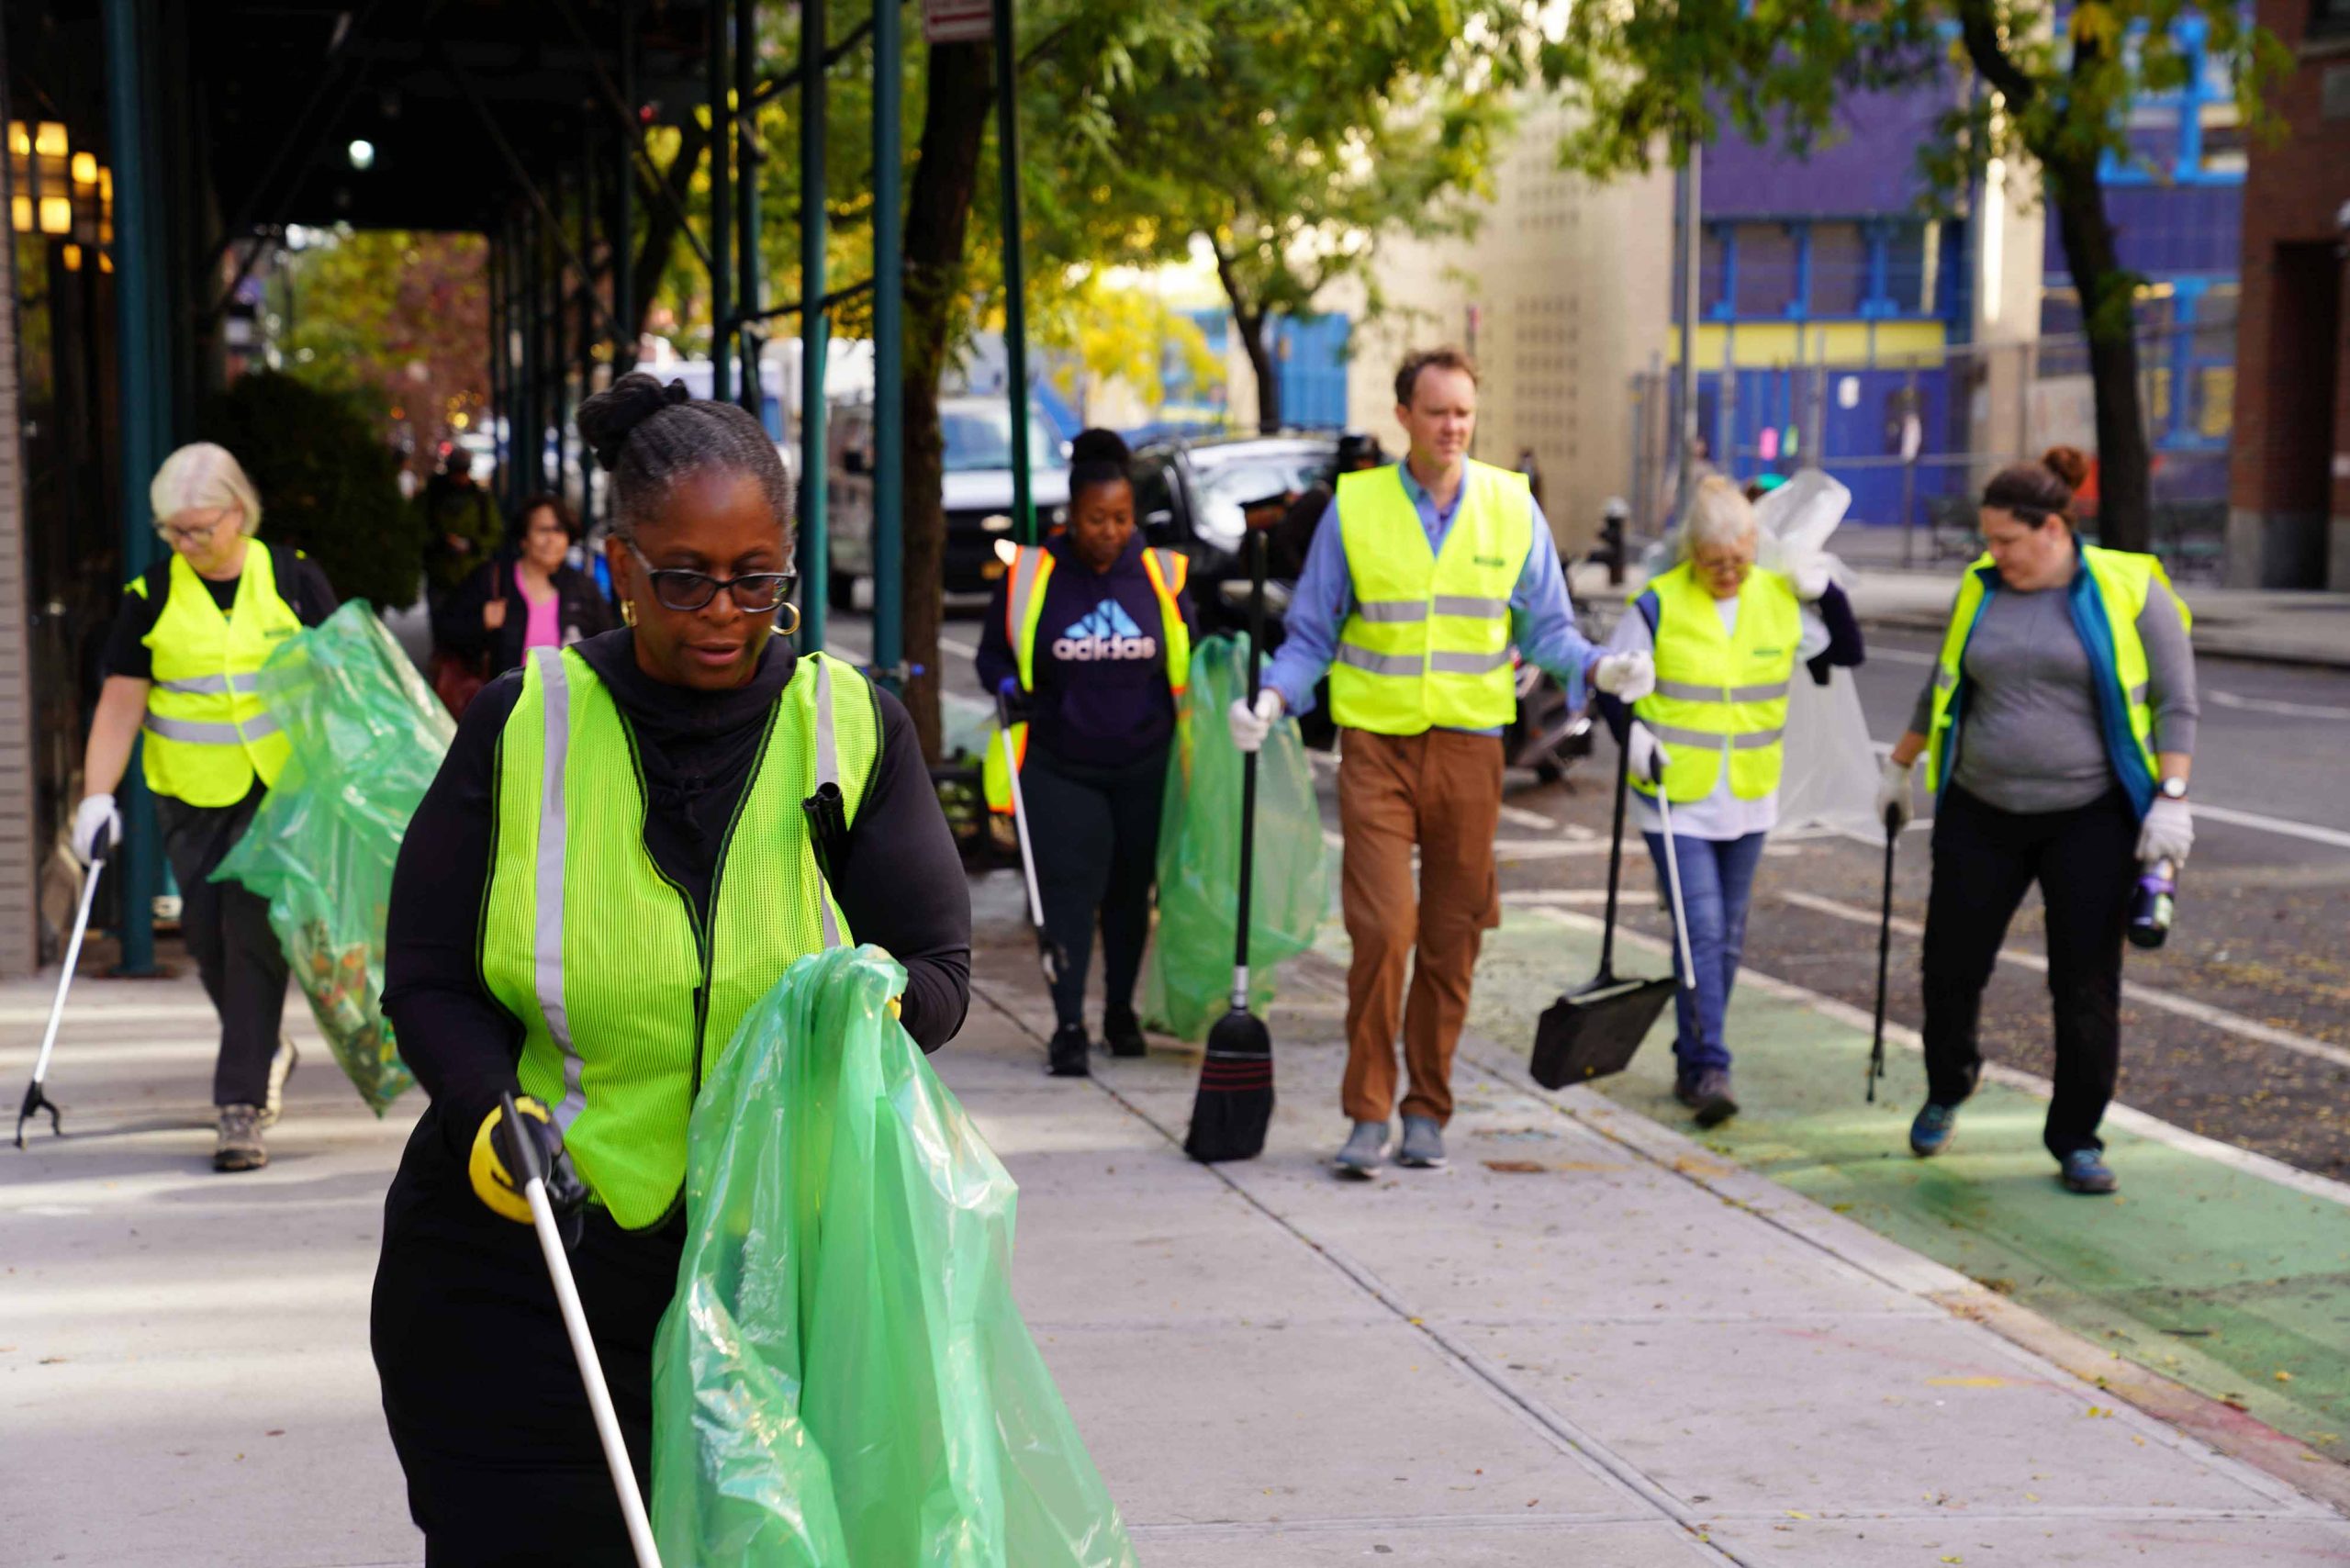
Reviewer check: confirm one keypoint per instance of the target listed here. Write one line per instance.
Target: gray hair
(202, 476)
(1719, 514)
(651, 438)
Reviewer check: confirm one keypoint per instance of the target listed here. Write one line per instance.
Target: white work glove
(1807, 570)
(1893, 793)
(2168, 832)
(1627, 677)
(1645, 754)
(1249, 726)
(96, 826)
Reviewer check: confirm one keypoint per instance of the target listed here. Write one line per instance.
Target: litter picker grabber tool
(1049, 956)
(1672, 886)
(1595, 1030)
(534, 1177)
(1883, 953)
(1235, 1102)
(36, 1096)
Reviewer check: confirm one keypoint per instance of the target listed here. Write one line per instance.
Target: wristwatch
(2173, 788)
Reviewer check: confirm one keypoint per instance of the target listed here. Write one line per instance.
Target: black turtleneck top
(900, 883)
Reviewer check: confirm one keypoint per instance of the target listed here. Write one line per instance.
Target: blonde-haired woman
(1726, 636)
(192, 632)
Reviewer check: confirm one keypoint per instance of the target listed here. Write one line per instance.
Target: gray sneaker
(1365, 1152)
(240, 1148)
(1423, 1144)
(282, 1064)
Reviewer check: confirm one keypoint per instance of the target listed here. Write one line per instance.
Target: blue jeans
(1716, 877)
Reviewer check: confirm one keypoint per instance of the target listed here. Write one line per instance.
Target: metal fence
(1915, 436)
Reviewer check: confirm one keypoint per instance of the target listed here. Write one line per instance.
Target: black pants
(226, 930)
(2085, 861)
(1095, 834)
(482, 1394)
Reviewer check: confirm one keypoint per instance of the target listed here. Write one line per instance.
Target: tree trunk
(1252, 325)
(2124, 477)
(661, 225)
(938, 215)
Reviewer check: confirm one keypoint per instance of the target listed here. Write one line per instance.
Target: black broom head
(1234, 1104)
(1592, 1034)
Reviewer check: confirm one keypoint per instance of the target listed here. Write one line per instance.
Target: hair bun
(605, 420)
(2069, 464)
(1099, 446)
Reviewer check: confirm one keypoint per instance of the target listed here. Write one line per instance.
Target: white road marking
(963, 650)
(2151, 996)
(1900, 1035)
(1880, 654)
(2289, 828)
(1536, 898)
(2270, 705)
(1525, 818)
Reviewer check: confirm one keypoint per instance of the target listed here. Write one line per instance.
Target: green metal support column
(624, 208)
(815, 330)
(1015, 272)
(889, 346)
(589, 334)
(558, 341)
(140, 415)
(746, 202)
(722, 215)
(494, 273)
(533, 434)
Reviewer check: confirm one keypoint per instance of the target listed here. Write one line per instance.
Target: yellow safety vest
(625, 997)
(1713, 687)
(208, 734)
(2106, 597)
(1427, 645)
(1023, 611)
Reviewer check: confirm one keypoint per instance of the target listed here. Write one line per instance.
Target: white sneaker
(281, 1066)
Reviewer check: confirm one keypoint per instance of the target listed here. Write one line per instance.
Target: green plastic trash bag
(367, 737)
(842, 1379)
(1187, 982)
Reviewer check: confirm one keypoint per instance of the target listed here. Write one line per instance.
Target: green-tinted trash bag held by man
(367, 737)
(842, 1379)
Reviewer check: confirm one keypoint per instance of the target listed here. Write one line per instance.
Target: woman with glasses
(612, 866)
(1726, 636)
(529, 597)
(192, 634)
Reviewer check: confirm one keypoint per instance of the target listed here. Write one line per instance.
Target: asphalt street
(2239, 1028)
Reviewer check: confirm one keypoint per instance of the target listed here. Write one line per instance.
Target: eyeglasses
(754, 593)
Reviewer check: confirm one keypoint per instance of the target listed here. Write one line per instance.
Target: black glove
(499, 1169)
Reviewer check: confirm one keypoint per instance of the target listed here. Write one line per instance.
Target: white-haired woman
(192, 632)
(1726, 636)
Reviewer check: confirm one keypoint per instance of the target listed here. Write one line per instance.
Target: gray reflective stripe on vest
(1686, 691)
(208, 686)
(198, 731)
(1944, 679)
(546, 936)
(1467, 664)
(828, 771)
(1758, 739)
(1026, 568)
(1464, 604)
(1673, 734)
(1392, 612)
(1380, 664)
(2138, 693)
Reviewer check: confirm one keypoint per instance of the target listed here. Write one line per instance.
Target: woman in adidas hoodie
(1077, 640)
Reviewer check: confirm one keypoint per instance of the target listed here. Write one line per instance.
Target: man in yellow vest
(191, 635)
(1416, 586)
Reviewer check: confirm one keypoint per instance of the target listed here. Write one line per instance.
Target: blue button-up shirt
(1542, 621)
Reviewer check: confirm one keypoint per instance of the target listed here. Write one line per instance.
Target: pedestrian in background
(529, 596)
(192, 634)
(1292, 537)
(461, 524)
(1726, 636)
(1089, 638)
(1421, 576)
(2058, 728)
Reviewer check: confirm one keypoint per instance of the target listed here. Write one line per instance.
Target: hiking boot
(1929, 1134)
(280, 1067)
(1714, 1105)
(1423, 1146)
(1122, 1031)
(1365, 1152)
(1685, 1089)
(240, 1148)
(1069, 1051)
(2085, 1170)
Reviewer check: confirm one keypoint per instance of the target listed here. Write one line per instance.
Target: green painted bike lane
(2236, 1285)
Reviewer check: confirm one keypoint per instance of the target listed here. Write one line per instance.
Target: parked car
(976, 488)
(1188, 493)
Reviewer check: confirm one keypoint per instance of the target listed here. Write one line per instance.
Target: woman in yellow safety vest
(2058, 728)
(614, 864)
(1088, 637)
(1728, 637)
(193, 633)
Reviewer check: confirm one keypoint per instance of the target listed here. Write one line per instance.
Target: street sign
(958, 21)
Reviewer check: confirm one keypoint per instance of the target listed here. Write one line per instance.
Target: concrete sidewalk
(1589, 1341)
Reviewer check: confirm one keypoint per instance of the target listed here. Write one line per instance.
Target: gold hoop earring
(793, 629)
(628, 611)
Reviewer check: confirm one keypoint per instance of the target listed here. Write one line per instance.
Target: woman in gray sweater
(2059, 730)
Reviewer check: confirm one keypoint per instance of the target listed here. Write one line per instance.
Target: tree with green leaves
(1653, 79)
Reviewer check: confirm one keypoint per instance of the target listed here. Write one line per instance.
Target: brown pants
(1441, 791)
